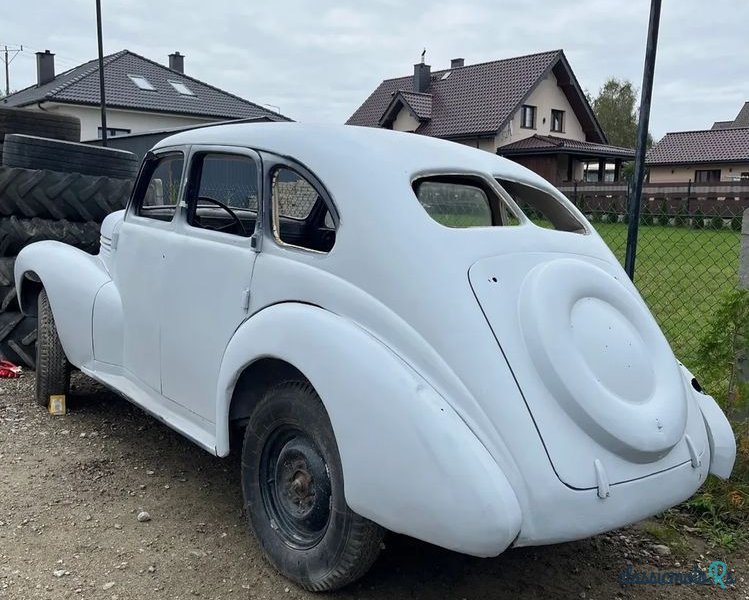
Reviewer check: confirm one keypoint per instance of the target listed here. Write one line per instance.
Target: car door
(207, 274)
(142, 251)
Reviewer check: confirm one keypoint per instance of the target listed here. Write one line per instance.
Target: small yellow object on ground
(56, 405)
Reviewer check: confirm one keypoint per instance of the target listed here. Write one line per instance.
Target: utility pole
(7, 60)
(101, 76)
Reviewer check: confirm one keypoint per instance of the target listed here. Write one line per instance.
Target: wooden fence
(725, 200)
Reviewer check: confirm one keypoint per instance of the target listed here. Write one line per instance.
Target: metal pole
(642, 137)
(101, 75)
(7, 75)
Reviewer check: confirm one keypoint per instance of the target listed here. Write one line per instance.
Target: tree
(616, 110)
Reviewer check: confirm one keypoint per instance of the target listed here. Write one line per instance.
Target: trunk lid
(596, 373)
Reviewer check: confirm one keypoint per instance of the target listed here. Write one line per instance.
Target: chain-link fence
(687, 249)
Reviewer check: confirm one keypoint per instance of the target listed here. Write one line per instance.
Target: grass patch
(682, 274)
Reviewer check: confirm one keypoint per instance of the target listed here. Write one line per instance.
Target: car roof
(333, 152)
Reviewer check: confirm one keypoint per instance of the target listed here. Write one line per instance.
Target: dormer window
(528, 116)
(142, 83)
(181, 87)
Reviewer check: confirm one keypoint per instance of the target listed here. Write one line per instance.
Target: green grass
(681, 273)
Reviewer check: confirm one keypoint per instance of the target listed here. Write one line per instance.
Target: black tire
(52, 195)
(17, 233)
(37, 122)
(292, 483)
(29, 152)
(52, 366)
(18, 339)
(8, 299)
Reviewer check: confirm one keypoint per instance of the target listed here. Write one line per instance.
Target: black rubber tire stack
(50, 189)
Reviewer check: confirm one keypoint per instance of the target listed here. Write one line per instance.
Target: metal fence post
(642, 135)
(742, 359)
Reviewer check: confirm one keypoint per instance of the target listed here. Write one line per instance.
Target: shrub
(663, 219)
(736, 223)
(681, 220)
(716, 222)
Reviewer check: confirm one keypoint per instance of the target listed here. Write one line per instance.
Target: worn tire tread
(52, 367)
(17, 233)
(53, 195)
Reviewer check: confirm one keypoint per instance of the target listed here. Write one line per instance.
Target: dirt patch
(71, 490)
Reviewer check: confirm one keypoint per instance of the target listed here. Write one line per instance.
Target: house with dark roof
(718, 154)
(705, 156)
(741, 120)
(530, 109)
(141, 95)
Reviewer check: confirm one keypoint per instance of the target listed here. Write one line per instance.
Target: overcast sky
(318, 59)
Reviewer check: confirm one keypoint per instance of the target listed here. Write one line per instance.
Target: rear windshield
(469, 201)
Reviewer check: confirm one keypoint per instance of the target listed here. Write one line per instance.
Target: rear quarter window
(462, 201)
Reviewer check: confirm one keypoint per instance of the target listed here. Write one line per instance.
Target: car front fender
(409, 462)
(72, 278)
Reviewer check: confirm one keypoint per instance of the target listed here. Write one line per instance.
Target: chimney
(457, 62)
(177, 62)
(45, 67)
(422, 77)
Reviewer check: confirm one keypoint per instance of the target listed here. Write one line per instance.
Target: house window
(114, 131)
(706, 175)
(181, 88)
(557, 120)
(745, 176)
(142, 82)
(528, 116)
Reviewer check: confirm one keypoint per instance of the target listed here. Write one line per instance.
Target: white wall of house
(405, 121)
(135, 121)
(685, 173)
(547, 96)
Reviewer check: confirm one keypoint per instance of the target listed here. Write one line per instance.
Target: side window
(542, 208)
(223, 192)
(300, 216)
(158, 192)
(462, 201)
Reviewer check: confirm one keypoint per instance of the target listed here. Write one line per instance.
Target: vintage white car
(399, 333)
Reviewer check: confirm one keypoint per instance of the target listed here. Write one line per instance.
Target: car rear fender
(409, 462)
(72, 278)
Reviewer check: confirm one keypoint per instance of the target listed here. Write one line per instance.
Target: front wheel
(52, 367)
(293, 491)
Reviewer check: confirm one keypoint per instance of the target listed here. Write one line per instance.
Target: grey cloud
(318, 60)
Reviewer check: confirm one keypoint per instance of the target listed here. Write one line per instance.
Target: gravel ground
(73, 490)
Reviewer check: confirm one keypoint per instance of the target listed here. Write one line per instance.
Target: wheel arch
(254, 380)
(397, 437)
(72, 278)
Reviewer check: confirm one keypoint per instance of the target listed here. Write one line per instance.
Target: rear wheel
(292, 482)
(52, 366)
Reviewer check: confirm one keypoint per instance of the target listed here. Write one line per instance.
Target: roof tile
(80, 85)
(474, 99)
(710, 145)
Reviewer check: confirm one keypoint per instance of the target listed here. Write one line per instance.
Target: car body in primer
(488, 386)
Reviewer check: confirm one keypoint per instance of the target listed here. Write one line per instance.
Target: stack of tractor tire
(51, 188)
